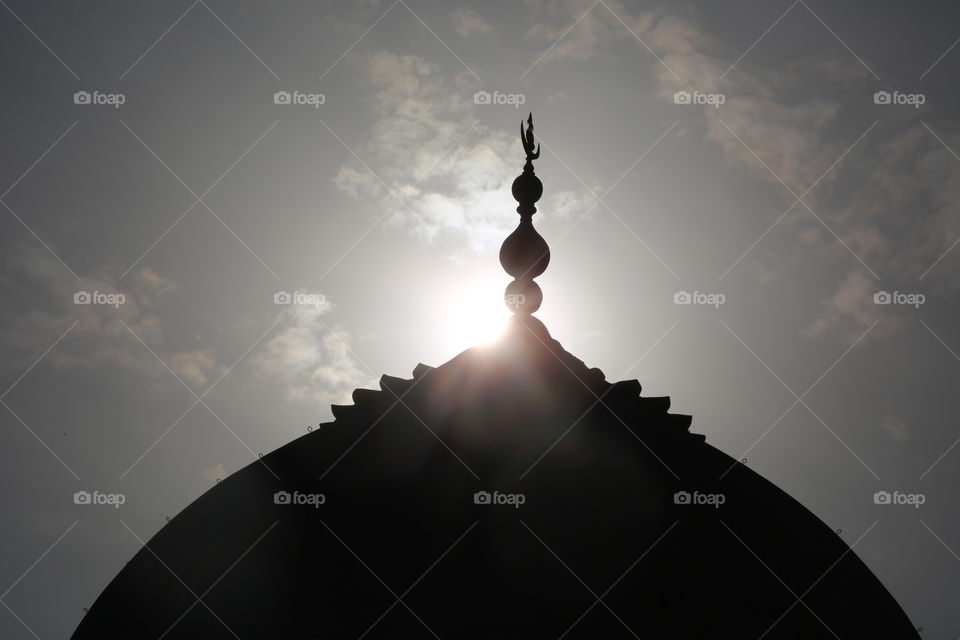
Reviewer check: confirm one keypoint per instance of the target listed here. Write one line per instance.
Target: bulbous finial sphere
(523, 296)
(526, 190)
(525, 254)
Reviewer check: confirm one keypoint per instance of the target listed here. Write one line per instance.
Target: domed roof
(512, 493)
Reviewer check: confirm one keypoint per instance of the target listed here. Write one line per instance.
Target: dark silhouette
(525, 254)
(511, 492)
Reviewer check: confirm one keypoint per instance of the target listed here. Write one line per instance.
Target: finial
(527, 140)
(525, 254)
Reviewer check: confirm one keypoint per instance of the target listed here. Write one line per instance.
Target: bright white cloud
(445, 186)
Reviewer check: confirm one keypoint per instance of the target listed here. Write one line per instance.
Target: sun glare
(475, 314)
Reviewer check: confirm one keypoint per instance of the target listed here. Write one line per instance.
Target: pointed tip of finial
(526, 138)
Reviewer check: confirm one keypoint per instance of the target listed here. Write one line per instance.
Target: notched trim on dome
(621, 398)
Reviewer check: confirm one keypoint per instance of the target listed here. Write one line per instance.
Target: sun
(475, 314)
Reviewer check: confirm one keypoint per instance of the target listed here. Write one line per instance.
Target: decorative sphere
(527, 188)
(524, 254)
(523, 296)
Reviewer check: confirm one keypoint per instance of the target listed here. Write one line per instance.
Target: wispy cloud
(585, 29)
(305, 356)
(467, 23)
(850, 309)
(895, 427)
(445, 178)
(47, 305)
(217, 472)
(893, 201)
(310, 360)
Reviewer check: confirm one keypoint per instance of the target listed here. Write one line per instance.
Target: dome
(511, 492)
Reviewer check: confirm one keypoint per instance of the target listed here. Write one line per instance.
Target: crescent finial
(527, 139)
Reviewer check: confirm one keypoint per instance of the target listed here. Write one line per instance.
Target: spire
(524, 253)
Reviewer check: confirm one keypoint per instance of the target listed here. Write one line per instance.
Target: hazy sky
(148, 157)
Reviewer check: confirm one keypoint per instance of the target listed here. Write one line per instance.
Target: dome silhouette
(511, 492)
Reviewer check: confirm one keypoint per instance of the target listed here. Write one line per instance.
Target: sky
(752, 207)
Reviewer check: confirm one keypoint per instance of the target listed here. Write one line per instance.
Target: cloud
(215, 473)
(307, 360)
(194, 367)
(46, 308)
(355, 183)
(152, 288)
(850, 310)
(895, 427)
(770, 125)
(785, 134)
(569, 205)
(310, 360)
(467, 22)
(906, 206)
(904, 213)
(448, 183)
(894, 201)
(595, 28)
